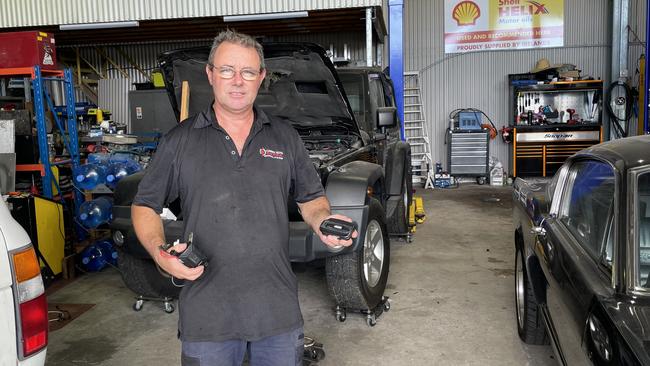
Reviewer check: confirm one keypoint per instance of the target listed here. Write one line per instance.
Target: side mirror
(386, 117)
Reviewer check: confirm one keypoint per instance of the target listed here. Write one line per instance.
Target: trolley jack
(371, 314)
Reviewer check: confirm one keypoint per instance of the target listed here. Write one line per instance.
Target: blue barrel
(96, 212)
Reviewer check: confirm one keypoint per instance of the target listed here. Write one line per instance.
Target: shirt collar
(207, 118)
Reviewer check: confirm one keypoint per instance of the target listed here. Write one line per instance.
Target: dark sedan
(582, 243)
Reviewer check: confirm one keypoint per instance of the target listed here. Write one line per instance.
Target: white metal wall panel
(480, 79)
(25, 13)
(113, 94)
(355, 41)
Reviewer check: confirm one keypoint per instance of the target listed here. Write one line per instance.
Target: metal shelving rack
(41, 97)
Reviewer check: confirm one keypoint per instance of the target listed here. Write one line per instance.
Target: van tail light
(31, 302)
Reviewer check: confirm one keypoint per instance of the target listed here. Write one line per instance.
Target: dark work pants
(284, 349)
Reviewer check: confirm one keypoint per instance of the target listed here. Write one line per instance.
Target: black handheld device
(191, 257)
(339, 228)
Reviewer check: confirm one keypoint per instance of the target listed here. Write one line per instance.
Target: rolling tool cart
(468, 154)
(468, 144)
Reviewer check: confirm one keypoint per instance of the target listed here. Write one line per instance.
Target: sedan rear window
(587, 205)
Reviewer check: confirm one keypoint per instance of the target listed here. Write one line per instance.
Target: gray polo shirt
(236, 206)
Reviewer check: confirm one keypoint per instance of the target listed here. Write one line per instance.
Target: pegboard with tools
(550, 122)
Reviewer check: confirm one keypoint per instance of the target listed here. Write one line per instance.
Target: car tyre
(357, 280)
(142, 277)
(399, 224)
(530, 324)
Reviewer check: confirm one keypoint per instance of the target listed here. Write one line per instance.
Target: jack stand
(313, 352)
(371, 315)
(168, 303)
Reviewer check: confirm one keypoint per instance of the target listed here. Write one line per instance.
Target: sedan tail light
(31, 302)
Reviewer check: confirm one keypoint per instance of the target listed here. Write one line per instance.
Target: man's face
(235, 94)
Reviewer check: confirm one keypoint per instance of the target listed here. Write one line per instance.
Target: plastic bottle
(120, 169)
(96, 212)
(88, 176)
(496, 176)
(98, 255)
(98, 158)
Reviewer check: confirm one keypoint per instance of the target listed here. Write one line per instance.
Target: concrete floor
(451, 294)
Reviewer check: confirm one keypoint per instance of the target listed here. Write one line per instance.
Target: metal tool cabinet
(468, 154)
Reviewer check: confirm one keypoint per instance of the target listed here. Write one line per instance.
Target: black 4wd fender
(348, 185)
(398, 164)
(347, 191)
(399, 187)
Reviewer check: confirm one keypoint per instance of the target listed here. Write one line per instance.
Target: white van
(23, 307)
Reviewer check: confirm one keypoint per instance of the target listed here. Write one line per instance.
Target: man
(234, 200)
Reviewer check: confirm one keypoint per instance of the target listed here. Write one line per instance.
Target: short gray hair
(232, 36)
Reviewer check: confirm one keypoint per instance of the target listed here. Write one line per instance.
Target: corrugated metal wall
(355, 41)
(25, 13)
(144, 55)
(479, 80)
(114, 96)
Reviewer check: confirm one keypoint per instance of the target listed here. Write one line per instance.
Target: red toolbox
(26, 49)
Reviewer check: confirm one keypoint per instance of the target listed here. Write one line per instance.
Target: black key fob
(191, 257)
(339, 228)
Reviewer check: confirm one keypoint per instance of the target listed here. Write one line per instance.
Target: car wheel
(357, 280)
(142, 277)
(530, 324)
(399, 224)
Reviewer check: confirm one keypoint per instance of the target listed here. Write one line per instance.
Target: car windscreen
(353, 86)
(643, 227)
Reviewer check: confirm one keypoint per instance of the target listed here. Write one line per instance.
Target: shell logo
(466, 13)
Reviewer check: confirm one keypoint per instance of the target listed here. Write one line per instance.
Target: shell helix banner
(492, 25)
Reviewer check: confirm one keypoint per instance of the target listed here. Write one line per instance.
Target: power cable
(620, 124)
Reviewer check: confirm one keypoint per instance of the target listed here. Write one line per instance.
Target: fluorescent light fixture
(265, 16)
(84, 26)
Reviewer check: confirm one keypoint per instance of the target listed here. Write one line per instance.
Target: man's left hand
(333, 241)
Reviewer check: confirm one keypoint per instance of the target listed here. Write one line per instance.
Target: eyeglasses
(227, 72)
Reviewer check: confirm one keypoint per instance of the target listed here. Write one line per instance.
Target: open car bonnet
(301, 86)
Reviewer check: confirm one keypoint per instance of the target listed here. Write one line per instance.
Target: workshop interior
(491, 154)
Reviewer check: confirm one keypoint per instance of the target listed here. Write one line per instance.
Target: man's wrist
(155, 251)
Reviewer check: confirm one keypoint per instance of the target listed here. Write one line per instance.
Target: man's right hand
(173, 265)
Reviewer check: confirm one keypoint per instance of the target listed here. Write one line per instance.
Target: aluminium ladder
(415, 128)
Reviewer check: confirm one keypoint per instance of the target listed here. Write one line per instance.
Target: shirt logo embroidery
(271, 154)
